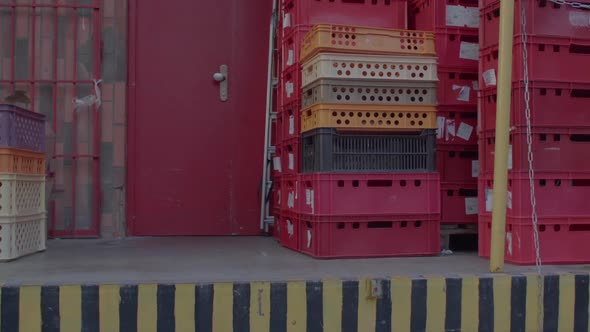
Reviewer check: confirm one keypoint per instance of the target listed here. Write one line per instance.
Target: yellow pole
(502, 136)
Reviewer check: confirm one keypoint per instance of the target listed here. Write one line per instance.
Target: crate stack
(367, 184)
(457, 47)
(558, 51)
(22, 182)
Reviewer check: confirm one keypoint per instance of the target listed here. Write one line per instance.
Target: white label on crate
(309, 238)
(291, 125)
(276, 162)
(297, 190)
(475, 85)
(580, 19)
(291, 200)
(290, 57)
(465, 130)
(289, 228)
(475, 168)
(460, 16)
(509, 199)
(489, 199)
(286, 20)
(289, 89)
(450, 130)
(278, 197)
(471, 206)
(509, 243)
(469, 51)
(489, 77)
(291, 162)
(308, 196)
(440, 120)
(510, 156)
(464, 91)
(312, 202)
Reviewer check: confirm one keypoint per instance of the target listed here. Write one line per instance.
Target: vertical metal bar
(54, 96)
(74, 120)
(13, 48)
(97, 72)
(131, 112)
(33, 38)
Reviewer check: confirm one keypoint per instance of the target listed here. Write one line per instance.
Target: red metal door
(193, 161)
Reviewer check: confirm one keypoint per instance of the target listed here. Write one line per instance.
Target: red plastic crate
(371, 13)
(457, 125)
(289, 225)
(558, 194)
(432, 14)
(552, 104)
(543, 19)
(562, 240)
(554, 150)
(290, 201)
(457, 86)
(376, 236)
(290, 85)
(458, 163)
(459, 204)
(287, 157)
(290, 121)
(558, 59)
(290, 46)
(369, 194)
(458, 47)
(275, 196)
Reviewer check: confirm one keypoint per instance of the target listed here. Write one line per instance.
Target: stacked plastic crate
(559, 52)
(456, 26)
(369, 185)
(22, 182)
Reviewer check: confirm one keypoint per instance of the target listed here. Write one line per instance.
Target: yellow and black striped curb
(466, 303)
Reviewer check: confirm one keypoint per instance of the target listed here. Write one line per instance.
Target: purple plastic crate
(21, 129)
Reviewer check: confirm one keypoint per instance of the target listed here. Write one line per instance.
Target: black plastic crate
(327, 150)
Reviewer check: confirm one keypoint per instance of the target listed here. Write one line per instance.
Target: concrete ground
(217, 259)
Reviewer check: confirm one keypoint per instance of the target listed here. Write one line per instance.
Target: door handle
(221, 78)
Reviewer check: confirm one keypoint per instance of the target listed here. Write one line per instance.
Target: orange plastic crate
(351, 39)
(21, 161)
(369, 117)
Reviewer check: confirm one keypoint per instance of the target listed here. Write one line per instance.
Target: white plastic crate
(369, 67)
(20, 236)
(21, 195)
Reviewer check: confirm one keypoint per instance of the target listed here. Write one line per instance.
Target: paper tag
(475, 168)
(289, 88)
(471, 206)
(579, 18)
(465, 131)
(440, 121)
(312, 202)
(278, 197)
(464, 91)
(489, 199)
(450, 129)
(489, 77)
(509, 243)
(469, 51)
(309, 238)
(276, 162)
(290, 57)
(510, 157)
(291, 161)
(308, 196)
(286, 20)
(291, 125)
(289, 228)
(460, 16)
(291, 200)
(509, 199)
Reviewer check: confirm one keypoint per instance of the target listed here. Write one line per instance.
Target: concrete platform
(253, 284)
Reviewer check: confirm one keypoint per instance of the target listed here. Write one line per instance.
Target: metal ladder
(266, 218)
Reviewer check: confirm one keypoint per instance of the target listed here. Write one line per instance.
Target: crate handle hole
(557, 137)
(542, 183)
(581, 183)
(340, 225)
(577, 49)
(379, 183)
(580, 138)
(355, 183)
(556, 228)
(450, 193)
(403, 183)
(356, 225)
(308, 224)
(417, 224)
(468, 192)
(543, 137)
(542, 228)
(558, 183)
(380, 224)
(580, 93)
(340, 183)
(417, 183)
(404, 224)
(579, 228)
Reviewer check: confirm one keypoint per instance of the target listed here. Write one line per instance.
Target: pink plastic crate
(290, 202)
(369, 194)
(457, 125)
(457, 86)
(554, 150)
(458, 47)
(558, 59)
(290, 121)
(553, 104)
(291, 46)
(289, 157)
(289, 231)
(290, 85)
(371, 13)
(563, 240)
(458, 163)
(459, 204)
(376, 236)
(433, 14)
(544, 18)
(558, 194)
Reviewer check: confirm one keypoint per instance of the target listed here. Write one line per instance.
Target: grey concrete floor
(207, 259)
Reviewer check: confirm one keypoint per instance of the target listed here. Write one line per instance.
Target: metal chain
(529, 138)
(573, 4)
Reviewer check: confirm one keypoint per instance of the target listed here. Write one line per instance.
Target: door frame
(131, 161)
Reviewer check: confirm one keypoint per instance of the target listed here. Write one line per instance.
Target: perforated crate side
(20, 236)
(22, 129)
(326, 150)
(21, 195)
